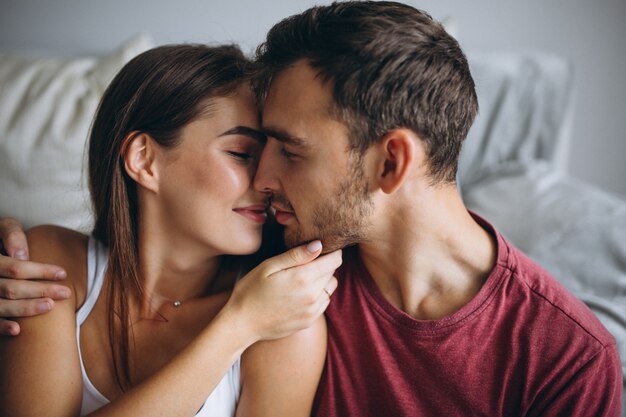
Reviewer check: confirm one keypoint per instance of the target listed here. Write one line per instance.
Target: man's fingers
(13, 238)
(25, 308)
(9, 328)
(11, 268)
(11, 289)
(293, 257)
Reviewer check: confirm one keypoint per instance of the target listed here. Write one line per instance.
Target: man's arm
(20, 295)
(594, 390)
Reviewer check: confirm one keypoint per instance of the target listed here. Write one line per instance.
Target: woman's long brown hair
(158, 93)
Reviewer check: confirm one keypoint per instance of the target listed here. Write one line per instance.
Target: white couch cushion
(525, 101)
(46, 109)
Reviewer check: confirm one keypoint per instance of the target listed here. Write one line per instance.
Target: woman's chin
(247, 247)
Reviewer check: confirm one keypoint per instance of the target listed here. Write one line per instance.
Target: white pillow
(46, 109)
(525, 100)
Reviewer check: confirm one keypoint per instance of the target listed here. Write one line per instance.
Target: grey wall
(590, 33)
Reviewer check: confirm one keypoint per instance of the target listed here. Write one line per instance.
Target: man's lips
(256, 213)
(282, 216)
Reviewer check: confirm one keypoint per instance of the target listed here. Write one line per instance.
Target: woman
(148, 330)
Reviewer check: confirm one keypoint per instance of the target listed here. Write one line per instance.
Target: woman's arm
(278, 297)
(40, 373)
(280, 377)
(283, 295)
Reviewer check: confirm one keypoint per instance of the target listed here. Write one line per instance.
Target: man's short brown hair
(392, 66)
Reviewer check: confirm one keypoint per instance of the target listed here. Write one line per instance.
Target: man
(366, 105)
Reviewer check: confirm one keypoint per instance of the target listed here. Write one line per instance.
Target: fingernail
(64, 293)
(60, 274)
(21, 254)
(44, 307)
(314, 246)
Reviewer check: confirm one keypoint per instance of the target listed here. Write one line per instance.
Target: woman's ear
(139, 154)
(401, 150)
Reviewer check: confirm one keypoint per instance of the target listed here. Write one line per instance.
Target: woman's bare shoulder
(63, 247)
(55, 244)
(52, 236)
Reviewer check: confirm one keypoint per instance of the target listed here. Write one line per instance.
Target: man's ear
(401, 150)
(139, 154)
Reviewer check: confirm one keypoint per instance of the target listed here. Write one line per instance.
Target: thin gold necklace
(175, 302)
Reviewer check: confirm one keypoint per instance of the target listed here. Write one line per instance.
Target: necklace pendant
(178, 303)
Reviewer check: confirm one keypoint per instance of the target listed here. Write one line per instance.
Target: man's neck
(431, 258)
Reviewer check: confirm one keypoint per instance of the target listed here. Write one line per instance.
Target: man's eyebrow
(285, 137)
(246, 131)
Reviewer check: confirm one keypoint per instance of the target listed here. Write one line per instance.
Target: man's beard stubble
(340, 221)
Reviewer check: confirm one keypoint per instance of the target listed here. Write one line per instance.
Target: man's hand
(20, 297)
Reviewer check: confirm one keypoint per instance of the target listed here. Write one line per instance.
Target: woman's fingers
(282, 295)
(316, 273)
(330, 286)
(294, 257)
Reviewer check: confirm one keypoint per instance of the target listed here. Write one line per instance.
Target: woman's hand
(20, 297)
(285, 293)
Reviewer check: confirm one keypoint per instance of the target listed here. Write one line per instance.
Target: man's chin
(333, 245)
(329, 243)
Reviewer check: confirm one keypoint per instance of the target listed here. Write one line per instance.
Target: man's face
(319, 186)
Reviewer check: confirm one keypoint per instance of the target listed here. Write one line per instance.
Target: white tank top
(220, 403)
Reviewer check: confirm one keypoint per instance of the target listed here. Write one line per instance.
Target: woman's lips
(256, 213)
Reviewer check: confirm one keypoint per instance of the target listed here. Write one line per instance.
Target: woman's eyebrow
(246, 131)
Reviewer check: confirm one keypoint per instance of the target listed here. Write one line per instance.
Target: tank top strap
(97, 259)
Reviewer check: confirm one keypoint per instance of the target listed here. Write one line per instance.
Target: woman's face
(205, 181)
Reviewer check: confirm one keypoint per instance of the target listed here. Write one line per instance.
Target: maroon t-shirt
(524, 346)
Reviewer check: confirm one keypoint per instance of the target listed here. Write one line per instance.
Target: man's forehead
(298, 109)
(296, 94)
(299, 86)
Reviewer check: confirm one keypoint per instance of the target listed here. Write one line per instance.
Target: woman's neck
(173, 269)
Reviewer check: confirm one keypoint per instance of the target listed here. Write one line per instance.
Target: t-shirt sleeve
(594, 390)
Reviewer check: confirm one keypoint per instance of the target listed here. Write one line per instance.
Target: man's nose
(266, 178)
